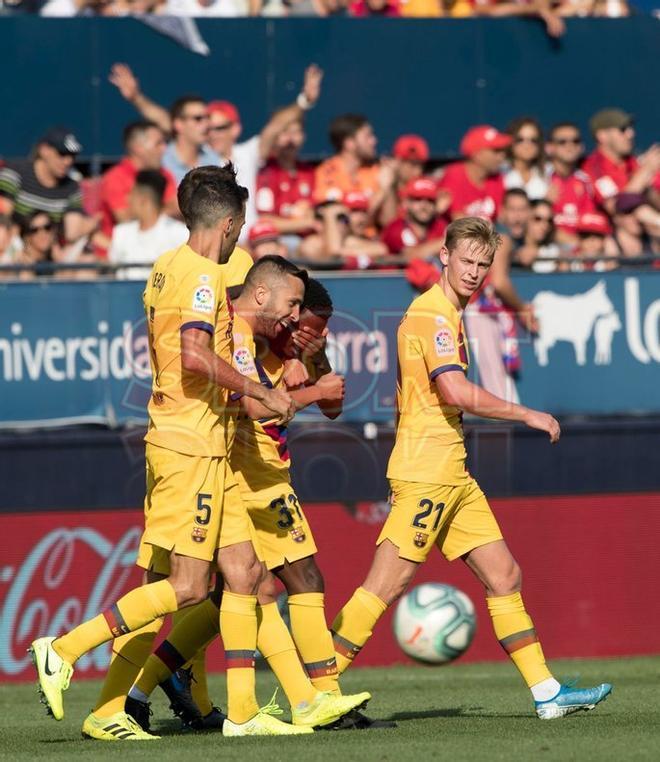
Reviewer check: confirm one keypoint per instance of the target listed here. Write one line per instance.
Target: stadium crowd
(358, 209)
(549, 11)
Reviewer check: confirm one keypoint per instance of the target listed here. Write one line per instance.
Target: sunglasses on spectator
(36, 228)
(197, 117)
(540, 218)
(220, 127)
(626, 127)
(567, 141)
(524, 139)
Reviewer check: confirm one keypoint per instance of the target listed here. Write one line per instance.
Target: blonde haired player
(435, 501)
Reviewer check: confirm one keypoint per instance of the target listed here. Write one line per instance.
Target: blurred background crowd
(367, 206)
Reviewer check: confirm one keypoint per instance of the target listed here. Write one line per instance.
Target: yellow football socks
(193, 631)
(238, 628)
(515, 631)
(135, 609)
(313, 640)
(129, 653)
(277, 647)
(354, 626)
(199, 686)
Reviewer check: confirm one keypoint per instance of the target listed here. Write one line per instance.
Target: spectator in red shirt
(595, 240)
(420, 232)
(144, 144)
(264, 240)
(361, 8)
(623, 184)
(355, 167)
(570, 189)
(411, 153)
(475, 185)
(285, 185)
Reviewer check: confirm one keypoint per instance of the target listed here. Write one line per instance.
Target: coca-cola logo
(69, 576)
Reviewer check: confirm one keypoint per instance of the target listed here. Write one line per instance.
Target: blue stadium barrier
(435, 77)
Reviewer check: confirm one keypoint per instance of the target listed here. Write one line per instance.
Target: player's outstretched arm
(455, 389)
(198, 357)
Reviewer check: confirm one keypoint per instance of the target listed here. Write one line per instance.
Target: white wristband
(303, 102)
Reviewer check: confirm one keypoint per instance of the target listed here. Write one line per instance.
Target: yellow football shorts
(457, 519)
(192, 507)
(283, 532)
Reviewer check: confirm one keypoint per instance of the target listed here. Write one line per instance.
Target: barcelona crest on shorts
(298, 534)
(199, 534)
(420, 539)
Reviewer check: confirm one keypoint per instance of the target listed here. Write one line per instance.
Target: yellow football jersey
(186, 411)
(235, 270)
(260, 451)
(237, 266)
(429, 444)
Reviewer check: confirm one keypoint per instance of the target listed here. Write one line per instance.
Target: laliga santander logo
(47, 592)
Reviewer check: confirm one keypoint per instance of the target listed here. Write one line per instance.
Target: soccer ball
(434, 623)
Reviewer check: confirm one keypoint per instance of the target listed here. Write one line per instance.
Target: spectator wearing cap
(570, 188)
(355, 168)
(264, 241)
(595, 240)
(250, 155)
(475, 185)
(526, 162)
(46, 183)
(363, 8)
(622, 183)
(411, 153)
(150, 232)
(144, 144)
(420, 232)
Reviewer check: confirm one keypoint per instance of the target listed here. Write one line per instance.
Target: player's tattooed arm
(456, 390)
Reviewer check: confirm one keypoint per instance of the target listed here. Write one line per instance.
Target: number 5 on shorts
(203, 509)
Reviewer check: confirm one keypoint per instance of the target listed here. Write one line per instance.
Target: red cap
(411, 147)
(356, 201)
(483, 136)
(263, 231)
(225, 108)
(422, 187)
(593, 222)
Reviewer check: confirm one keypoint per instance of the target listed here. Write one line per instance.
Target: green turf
(462, 712)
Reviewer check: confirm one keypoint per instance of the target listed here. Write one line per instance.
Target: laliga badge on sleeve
(203, 300)
(444, 343)
(244, 362)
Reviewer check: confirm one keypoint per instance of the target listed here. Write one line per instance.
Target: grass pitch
(462, 712)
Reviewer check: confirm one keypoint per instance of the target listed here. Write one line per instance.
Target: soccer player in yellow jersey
(260, 461)
(435, 501)
(186, 509)
(130, 651)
